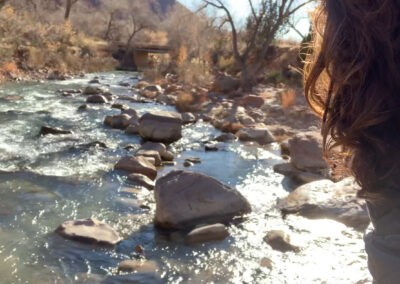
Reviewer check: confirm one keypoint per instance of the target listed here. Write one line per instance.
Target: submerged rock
(139, 266)
(161, 126)
(188, 117)
(226, 137)
(210, 233)
(280, 241)
(89, 231)
(326, 199)
(90, 90)
(185, 199)
(138, 165)
(46, 130)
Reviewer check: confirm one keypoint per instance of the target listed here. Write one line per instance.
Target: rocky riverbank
(196, 208)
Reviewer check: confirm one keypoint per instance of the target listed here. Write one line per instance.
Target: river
(47, 180)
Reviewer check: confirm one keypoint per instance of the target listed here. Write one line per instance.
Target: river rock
(91, 90)
(188, 117)
(97, 99)
(120, 121)
(326, 199)
(46, 130)
(142, 180)
(131, 112)
(121, 107)
(259, 134)
(210, 233)
(133, 128)
(138, 165)
(161, 126)
(94, 81)
(297, 175)
(153, 88)
(252, 101)
(280, 241)
(150, 154)
(89, 231)
(154, 146)
(226, 137)
(306, 152)
(138, 266)
(185, 199)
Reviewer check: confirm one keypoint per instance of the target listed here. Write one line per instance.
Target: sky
(240, 9)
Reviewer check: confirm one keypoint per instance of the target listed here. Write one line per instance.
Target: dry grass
(288, 98)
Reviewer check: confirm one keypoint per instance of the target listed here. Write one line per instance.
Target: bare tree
(265, 21)
(68, 7)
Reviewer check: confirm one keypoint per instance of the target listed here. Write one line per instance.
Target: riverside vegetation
(179, 174)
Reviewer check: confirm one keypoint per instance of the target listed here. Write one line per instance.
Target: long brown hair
(352, 80)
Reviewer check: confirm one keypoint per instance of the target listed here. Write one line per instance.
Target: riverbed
(46, 180)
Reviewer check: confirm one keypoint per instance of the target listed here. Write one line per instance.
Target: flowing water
(45, 181)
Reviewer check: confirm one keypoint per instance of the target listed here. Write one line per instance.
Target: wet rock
(90, 90)
(259, 134)
(120, 121)
(187, 199)
(226, 137)
(132, 129)
(210, 147)
(154, 146)
(139, 266)
(193, 160)
(168, 163)
(280, 241)
(82, 107)
(94, 81)
(188, 117)
(121, 107)
(142, 180)
(326, 199)
(187, 164)
(46, 130)
(130, 147)
(168, 156)
(297, 175)
(266, 262)
(97, 99)
(252, 101)
(210, 233)
(306, 152)
(89, 231)
(161, 126)
(150, 154)
(142, 84)
(133, 278)
(131, 112)
(153, 88)
(285, 148)
(138, 165)
(124, 84)
(97, 144)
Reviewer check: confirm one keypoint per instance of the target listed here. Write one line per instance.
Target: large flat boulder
(326, 199)
(306, 152)
(137, 165)
(161, 126)
(90, 231)
(186, 199)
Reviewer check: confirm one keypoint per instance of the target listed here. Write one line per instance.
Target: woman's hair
(352, 80)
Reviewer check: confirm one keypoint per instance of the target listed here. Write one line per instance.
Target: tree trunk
(68, 9)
